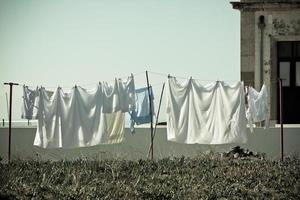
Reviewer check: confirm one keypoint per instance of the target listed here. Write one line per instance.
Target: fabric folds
(81, 117)
(258, 108)
(141, 114)
(120, 96)
(29, 97)
(210, 114)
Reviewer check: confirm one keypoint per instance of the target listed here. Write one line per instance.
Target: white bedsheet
(77, 119)
(210, 114)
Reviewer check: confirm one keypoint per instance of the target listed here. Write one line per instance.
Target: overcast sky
(68, 42)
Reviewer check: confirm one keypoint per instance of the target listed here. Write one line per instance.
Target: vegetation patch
(205, 177)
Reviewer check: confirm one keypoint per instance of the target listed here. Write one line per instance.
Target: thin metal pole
(151, 114)
(161, 95)
(10, 116)
(281, 118)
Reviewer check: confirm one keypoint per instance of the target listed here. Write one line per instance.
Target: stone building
(270, 49)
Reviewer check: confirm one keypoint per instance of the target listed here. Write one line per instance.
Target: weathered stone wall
(280, 26)
(247, 47)
(282, 23)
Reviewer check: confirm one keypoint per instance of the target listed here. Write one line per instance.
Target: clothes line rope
(248, 80)
(181, 77)
(273, 81)
(157, 84)
(86, 84)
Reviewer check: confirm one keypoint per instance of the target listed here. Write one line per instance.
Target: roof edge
(265, 5)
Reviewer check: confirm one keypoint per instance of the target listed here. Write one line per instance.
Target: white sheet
(76, 119)
(258, 108)
(211, 114)
(120, 96)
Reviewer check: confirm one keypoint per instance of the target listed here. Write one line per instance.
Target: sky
(67, 42)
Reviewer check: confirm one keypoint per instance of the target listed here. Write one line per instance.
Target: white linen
(258, 108)
(120, 96)
(211, 114)
(76, 119)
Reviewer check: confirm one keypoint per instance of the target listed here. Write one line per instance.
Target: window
(289, 63)
(284, 71)
(288, 68)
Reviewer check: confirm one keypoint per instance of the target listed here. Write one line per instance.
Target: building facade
(270, 49)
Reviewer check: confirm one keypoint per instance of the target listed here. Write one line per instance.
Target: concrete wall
(136, 146)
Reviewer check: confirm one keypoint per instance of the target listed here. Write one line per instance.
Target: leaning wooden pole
(151, 114)
(10, 116)
(281, 119)
(156, 122)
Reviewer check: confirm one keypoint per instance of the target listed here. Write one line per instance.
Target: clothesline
(273, 81)
(95, 83)
(99, 118)
(157, 84)
(180, 77)
(86, 84)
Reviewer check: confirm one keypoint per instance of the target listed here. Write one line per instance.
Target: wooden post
(161, 94)
(10, 116)
(281, 118)
(151, 114)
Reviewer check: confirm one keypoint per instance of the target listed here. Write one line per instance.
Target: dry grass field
(205, 177)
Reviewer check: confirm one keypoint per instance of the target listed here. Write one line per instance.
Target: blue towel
(141, 114)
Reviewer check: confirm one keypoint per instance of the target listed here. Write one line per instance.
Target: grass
(206, 177)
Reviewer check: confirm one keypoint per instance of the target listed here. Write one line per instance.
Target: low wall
(136, 146)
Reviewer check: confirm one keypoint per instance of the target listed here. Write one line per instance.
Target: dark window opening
(288, 68)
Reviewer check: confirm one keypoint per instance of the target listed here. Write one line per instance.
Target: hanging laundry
(258, 108)
(76, 119)
(37, 101)
(210, 114)
(142, 114)
(29, 97)
(120, 96)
